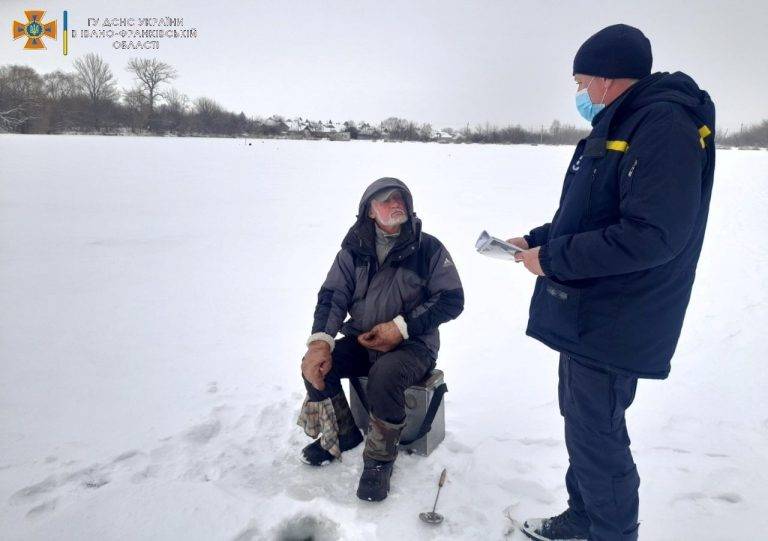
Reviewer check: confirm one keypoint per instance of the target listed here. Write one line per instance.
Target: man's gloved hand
(383, 337)
(316, 364)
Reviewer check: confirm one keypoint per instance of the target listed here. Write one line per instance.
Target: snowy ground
(156, 295)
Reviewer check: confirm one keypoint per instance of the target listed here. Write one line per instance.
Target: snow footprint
(701, 497)
(33, 491)
(91, 477)
(43, 508)
(204, 432)
(540, 442)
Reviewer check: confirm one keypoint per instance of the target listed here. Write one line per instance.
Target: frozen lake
(157, 293)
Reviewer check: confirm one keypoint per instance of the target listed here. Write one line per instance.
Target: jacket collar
(601, 124)
(361, 239)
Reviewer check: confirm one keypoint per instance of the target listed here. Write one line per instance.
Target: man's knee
(594, 398)
(385, 375)
(386, 388)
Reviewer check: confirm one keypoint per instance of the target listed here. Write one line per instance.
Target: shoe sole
(373, 499)
(537, 537)
(303, 459)
(530, 534)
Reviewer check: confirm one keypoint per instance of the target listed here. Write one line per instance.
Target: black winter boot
(566, 526)
(349, 435)
(378, 459)
(314, 454)
(374, 483)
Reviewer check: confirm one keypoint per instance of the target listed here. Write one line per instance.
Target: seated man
(398, 285)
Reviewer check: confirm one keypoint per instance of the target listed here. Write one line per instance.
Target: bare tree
(136, 106)
(207, 106)
(425, 132)
(11, 118)
(176, 101)
(400, 129)
(208, 115)
(21, 97)
(150, 74)
(64, 101)
(59, 85)
(172, 115)
(95, 78)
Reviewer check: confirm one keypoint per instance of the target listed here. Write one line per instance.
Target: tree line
(89, 100)
(754, 136)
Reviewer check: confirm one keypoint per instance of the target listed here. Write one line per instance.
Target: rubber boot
(378, 459)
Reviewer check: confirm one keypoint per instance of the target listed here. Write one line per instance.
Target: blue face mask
(584, 104)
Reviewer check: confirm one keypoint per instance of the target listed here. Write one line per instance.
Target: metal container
(417, 398)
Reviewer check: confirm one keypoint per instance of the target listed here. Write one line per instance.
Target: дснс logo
(34, 29)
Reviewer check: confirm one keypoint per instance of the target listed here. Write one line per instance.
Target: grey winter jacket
(417, 280)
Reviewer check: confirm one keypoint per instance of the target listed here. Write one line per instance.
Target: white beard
(392, 221)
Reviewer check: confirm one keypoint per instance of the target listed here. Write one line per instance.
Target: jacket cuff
(530, 241)
(402, 326)
(324, 337)
(544, 260)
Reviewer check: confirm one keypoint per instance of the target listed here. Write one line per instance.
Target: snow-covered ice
(157, 293)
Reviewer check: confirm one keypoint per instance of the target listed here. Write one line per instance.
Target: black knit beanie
(615, 52)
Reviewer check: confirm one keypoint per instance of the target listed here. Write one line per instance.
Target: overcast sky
(445, 62)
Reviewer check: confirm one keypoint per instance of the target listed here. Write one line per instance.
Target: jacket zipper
(632, 169)
(629, 178)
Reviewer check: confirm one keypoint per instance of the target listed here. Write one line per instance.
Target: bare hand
(383, 337)
(530, 259)
(519, 242)
(317, 363)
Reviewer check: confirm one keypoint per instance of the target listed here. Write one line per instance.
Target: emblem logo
(34, 30)
(576, 166)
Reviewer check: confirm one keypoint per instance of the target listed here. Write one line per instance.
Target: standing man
(616, 266)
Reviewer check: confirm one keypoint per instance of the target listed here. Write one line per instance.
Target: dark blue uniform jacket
(620, 253)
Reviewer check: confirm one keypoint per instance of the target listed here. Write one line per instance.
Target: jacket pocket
(361, 282)
(411, 288)
(556, 309)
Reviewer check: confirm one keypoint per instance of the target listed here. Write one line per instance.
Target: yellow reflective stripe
(623, 146)
(704, 131)
(620, 146)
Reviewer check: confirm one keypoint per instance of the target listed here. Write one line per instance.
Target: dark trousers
(602, 479)
(389, 375)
